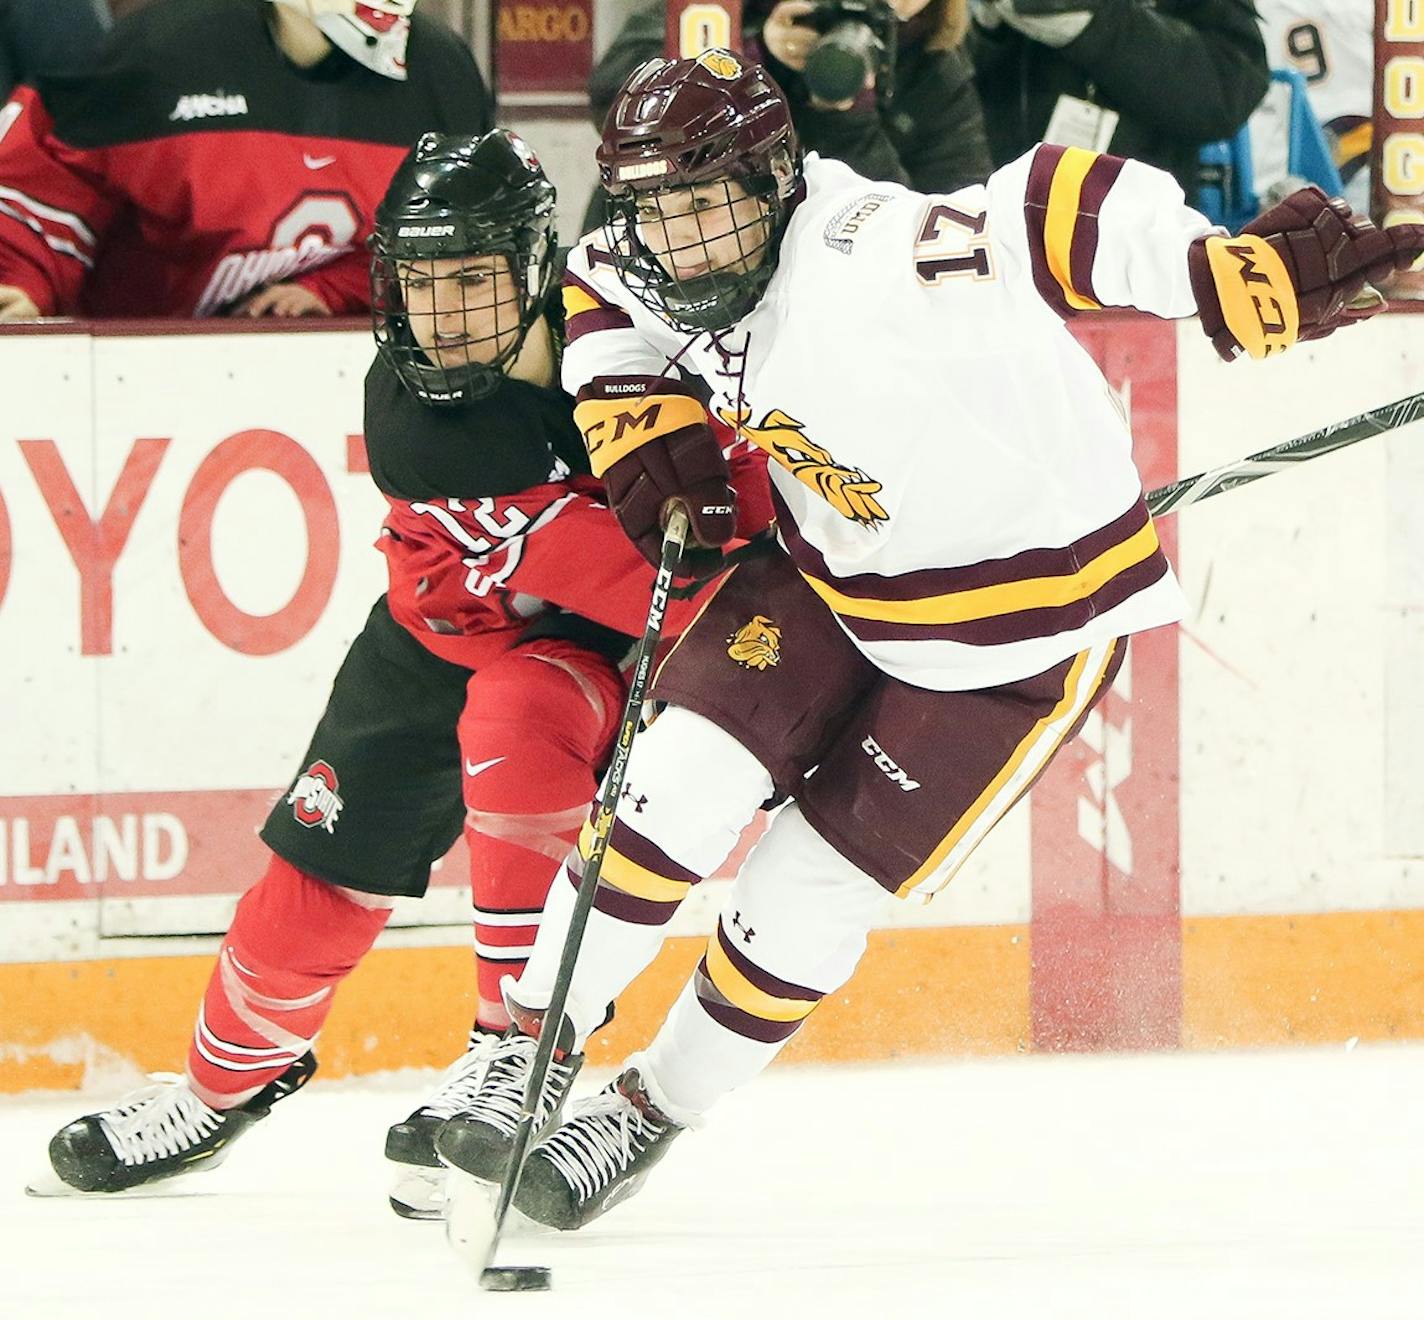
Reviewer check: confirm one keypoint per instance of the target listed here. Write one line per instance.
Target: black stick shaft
(1387, 417)
(673, 540)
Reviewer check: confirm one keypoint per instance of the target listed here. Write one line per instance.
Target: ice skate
(479, 1140)
(602, 1155)
(419, 1190)
(160, 1131)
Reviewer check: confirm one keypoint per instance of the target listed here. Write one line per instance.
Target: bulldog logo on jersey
(849, 491)
(756, 645)
(314, 799)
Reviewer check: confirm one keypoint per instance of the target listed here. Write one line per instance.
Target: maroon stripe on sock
(763, 980)
(735, 1019)
(627, 842)
(630, 908)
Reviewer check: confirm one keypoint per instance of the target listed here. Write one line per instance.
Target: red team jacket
(197, 165)
(528, 543)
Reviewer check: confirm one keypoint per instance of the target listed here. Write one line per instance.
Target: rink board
(186, 550)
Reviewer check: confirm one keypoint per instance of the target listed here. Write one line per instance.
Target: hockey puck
(516, 1278)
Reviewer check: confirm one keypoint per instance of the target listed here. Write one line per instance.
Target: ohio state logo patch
(314, 799)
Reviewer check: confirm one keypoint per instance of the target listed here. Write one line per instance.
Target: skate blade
(421, 1213)
(470, 1205)
(50, 1186)
(419, 1193)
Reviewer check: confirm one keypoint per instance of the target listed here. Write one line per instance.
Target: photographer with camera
(883, 86)
(1150, 79)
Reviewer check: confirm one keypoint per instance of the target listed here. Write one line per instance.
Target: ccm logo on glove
(1301, 270)
(1258, 300)
(613, 430)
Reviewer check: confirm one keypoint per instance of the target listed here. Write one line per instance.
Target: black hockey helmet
(679, 124)
(453, 199)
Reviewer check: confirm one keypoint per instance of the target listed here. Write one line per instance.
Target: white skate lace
(459, 1085)
(500, 1098)
(158, 1121)
(599, 1141)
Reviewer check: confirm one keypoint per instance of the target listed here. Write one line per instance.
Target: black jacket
(48, 36)
(1180, 73)
(931, 136)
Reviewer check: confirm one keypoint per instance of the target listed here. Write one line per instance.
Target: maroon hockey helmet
(681, 124)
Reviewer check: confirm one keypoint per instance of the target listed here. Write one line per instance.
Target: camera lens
(837, 68)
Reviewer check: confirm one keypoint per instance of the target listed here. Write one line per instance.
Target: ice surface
(1285, 1185)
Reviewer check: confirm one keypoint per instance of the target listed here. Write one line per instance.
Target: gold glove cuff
(613, 428)
(1258, 300)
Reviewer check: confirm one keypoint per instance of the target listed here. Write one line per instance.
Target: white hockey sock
(690, 791)
(792, 931)
(612, 954)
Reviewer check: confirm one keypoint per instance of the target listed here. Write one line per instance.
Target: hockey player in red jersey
(483, 692)
(225, 158)
(964, 549)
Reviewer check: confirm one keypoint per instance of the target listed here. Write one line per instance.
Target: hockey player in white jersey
(963, 548)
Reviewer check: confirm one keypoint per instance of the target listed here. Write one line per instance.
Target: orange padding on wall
(1311, 978)
(1246, 981)
(917, 992)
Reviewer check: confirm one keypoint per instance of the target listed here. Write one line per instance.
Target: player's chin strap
(763, 543)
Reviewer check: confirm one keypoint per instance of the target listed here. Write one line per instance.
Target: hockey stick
(1387, 417)
(524, 1278)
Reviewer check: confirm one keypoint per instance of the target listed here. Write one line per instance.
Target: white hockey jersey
(952, 474)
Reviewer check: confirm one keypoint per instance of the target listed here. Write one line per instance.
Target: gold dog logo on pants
(756, 645)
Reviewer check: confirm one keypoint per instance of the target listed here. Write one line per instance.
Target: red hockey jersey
(198, 165)
(496, 530)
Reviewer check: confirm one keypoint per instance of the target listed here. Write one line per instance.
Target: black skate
(160, 1132)
(478, 1141)
(599, 1157)
(419, 1191)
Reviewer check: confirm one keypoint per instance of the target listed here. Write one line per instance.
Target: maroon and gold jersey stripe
(585, 311)
(1036, 593)
(1066, 190)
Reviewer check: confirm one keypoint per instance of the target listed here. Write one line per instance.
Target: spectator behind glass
(225, 157)
(929, 134)
(1170, 76)
(48, 36)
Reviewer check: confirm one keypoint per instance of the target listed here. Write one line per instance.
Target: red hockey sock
(292, 941)
(537, 725)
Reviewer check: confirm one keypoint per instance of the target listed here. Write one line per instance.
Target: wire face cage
(450, 326)
(462, 263)
(700, 256)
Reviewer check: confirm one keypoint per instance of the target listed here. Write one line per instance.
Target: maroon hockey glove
(652, 450)
(1298, 271)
